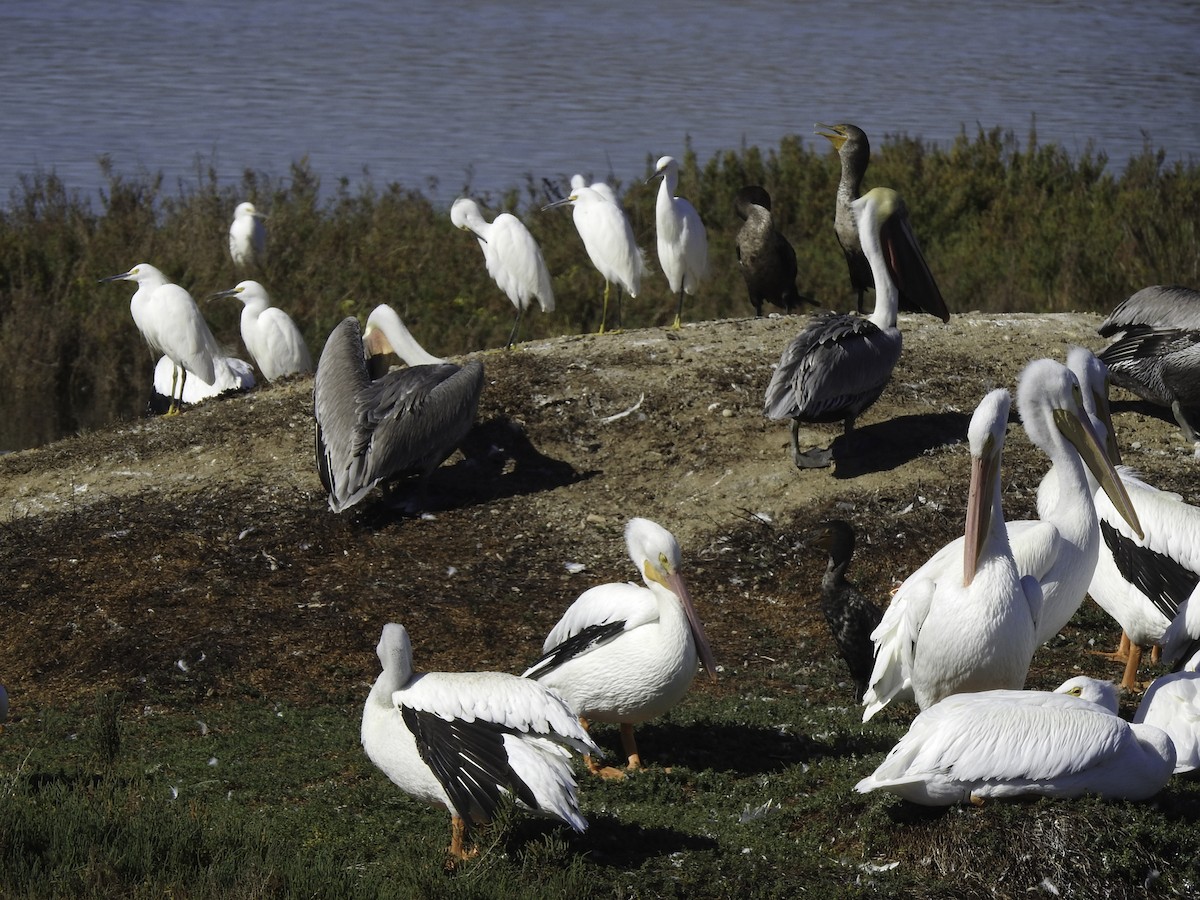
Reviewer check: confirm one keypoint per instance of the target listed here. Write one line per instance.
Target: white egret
(1172, 703)
(463, 740)
(513, 258)
(274, 341)
(172, 325)
(247, 236)
(623, 653)
(603, 188)
(232, 375)
(851, 616)
(766, 259)
(682, 241)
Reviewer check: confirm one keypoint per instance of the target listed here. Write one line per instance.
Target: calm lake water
(436, 95)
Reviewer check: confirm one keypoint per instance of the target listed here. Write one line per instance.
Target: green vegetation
(1006, 227)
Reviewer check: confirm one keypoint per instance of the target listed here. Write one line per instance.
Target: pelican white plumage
(247, 236)
(405, 422)
(230, 375)
(967, 619)
(1003, 744)
(682, 240)
(623, 653)
(513, 258)
(274, 341)
(608, 239)
(1181, 640)
(172, 325)
(464, 740)
(1172, 703)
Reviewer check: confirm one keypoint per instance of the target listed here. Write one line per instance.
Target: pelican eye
(1076, 692)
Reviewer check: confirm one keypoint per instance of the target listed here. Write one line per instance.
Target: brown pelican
(839, 364)
(851, 616)
(403, 423)
(463, 740)
(682, 242)
(1156, 351)
(274, 341)
(247, 237)
(766, 259)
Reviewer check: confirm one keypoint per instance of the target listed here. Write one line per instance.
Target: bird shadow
(884, 446)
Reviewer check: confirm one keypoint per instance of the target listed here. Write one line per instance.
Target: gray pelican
(608, 239)
(1003, 744)
(967, 619)
(623, 653)
(513, 258)
(405, 422)
(682, 241)
(247, 236)
(1156, 350)
(172, 325)
(274, 341)
(851, 616)
(839, 364)
(463, 740)
(1172, 703)
(765, 258)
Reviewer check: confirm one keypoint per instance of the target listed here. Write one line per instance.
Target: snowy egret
(603, 188)
(682, 242)
(232, 375)
(851, 616)
(608, 239)
(274, 341)
(462, 740)
(171, 324)
(513, 258)
(247, 236)
(766, 259)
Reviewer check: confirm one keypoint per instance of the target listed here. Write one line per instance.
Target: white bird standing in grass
(464, 740)
(274, 341)
(682, 242)
(247, 236)
(1172, 703)
(172, 325)
(513, 258)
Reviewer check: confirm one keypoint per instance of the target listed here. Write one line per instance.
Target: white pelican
(682, 241)
(405, 422)
(1181, 641)
(839, 364)
(851, 616)
(513, 258)
(1172, 703)
(274, 341)
(231, 375)
(170, 321)
(766, 259)
(1002, 744)
(462, 740)
(247, 236)
(967, 619)
(623, 653)
(608, 239)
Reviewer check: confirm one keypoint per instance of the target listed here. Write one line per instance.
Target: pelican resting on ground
(275, 343)
(513, 258)
(851, 616)
(765, 258)
(967, 619)
(406, 422)
(1004, 744)
(247, 236)
(623, 653)
(1172, 703)
(464, 740)
(231, 375)
(839, 364)
(682, 241)
(1156, 350)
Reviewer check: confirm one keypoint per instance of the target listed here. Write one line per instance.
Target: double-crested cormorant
(682, 241)
(851, 616)
(275, 343)
(766, 259)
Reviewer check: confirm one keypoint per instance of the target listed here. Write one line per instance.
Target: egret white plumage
(682, 241)
(406, 422)
(274, 341)
(513, 258)
(603, 188)
(623, 653)
(1172, 703)
(766, 259)
(608, 239)
(1003, 744)
(247, 236)
(851, 617)
(172, 325)
(231, 375)
(966, 620)
(464, 740)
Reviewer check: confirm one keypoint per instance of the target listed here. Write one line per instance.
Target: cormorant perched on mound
(767, 260)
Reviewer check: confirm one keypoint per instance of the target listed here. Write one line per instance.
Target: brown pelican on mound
(851, 616)
(840, 363)
(405, 422)
(766, 259)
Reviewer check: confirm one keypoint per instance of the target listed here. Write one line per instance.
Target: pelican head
(385, 333)
(395, 653)
(985, 437)
(1102, 693)
(1094, 381)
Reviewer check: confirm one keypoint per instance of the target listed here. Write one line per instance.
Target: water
(439, 95)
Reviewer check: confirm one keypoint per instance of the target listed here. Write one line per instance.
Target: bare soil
(194, 559)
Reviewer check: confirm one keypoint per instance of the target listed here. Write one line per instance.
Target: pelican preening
(274, 341)
(1003, 744)
(682, 241)
(230, 375)
(247, 236)
(623, 653)
(464, 740)
(406, 422)
(1172, 703)
(765, 258)
(851, 616)
(513, 258)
